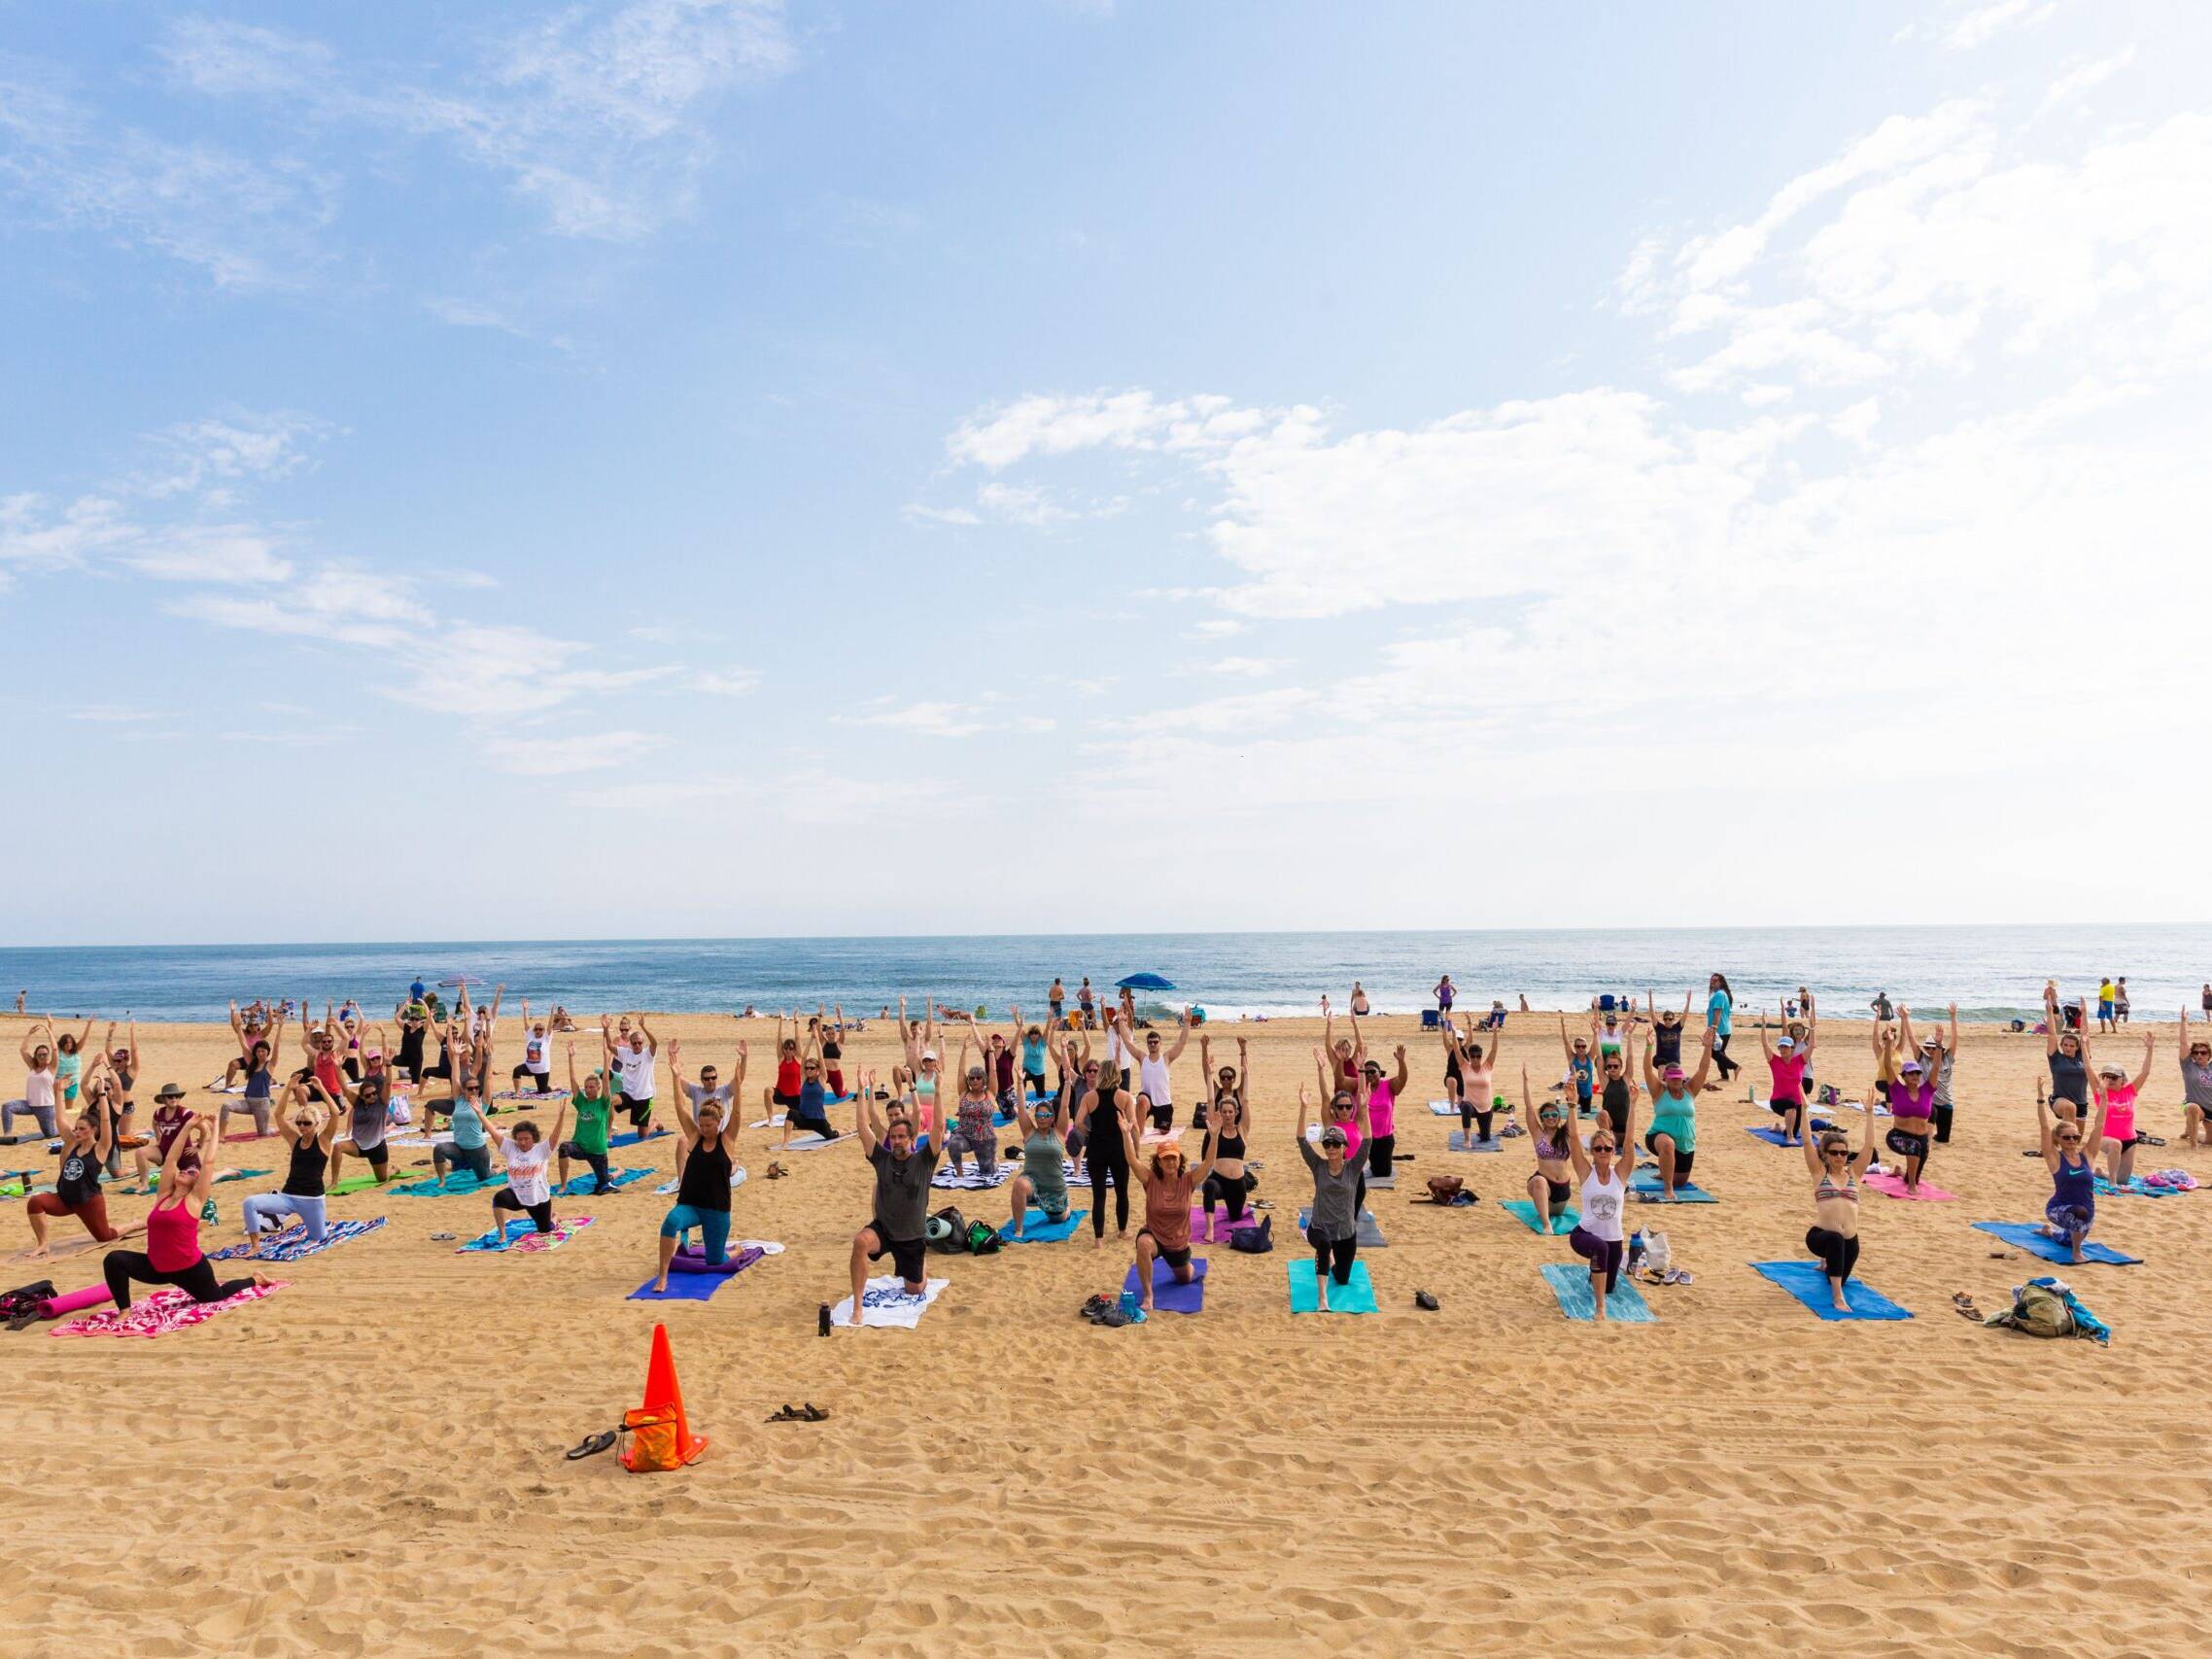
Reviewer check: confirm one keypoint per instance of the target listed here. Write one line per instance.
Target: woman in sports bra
(2116, 1103)
(1228, 1184)
(1550, 1133)
(1599, 1237)
(1833, 1236)
(2071, 1210)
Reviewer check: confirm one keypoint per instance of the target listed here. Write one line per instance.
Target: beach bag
(651, 1447)
(25, 1299)
(982, 1239)
(1254, 1241)
(1656, 1254)
(2041, 1311)
(1444, 1189)
(946, 1230)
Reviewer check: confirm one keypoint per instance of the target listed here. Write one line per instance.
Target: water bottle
(1130, 1303)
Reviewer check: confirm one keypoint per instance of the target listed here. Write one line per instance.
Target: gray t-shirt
(2197, 1085)
(1336, 1198)
(1943, 1079)
(902, 1190)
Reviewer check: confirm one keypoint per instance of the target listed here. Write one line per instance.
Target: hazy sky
(713, 468)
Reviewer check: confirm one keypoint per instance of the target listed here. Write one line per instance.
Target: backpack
(946, 1230)
(982, 1239)
(25, 1299)
(1255, 1240)
(2040, 1311)
(652, 1447)
(1444, 1189)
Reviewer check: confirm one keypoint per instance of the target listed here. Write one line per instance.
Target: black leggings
(1332, 1256)
(124, 1267)
(1728, 1067)
(1227, 1190)
(1838, 1255)
(541, 1081)
(1943, 1125)
(1603, 1254)
(1108, 1158)
(1379, 1149)
(1475, 1115)
(541, 1215)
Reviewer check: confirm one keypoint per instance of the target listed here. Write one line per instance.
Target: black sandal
(813, 1413)
(1424, 1301)
(590, 1445)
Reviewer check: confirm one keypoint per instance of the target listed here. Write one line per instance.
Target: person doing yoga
(77, 1185)
(1787, 1062)
(369, 1105)
(710, 1159)
(309, 1127)
(2195, 1086)
(40, 1097)
(1604, 1173)
(527, 1192)
(1550, 1133)
(468, 1146)
(973, 1130)
(1109, 1119)
(1168, 1189)
(1833, 1236)
(1382, 1110)
(630, 1061)
(1332, 1220)
(1153, 1077)
(2116, 1095)
(1043, 1180)
(594, 1108)
(172, 1255)
(899, 1222)
(1911, 1112)
(1229, 1184)
(1672, 1138)
(1470, 1080)
(2072, 1209)
(2067, 1055)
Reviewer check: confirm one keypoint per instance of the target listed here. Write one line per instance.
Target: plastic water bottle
(1130, 1303)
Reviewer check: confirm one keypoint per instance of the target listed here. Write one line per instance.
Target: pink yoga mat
(1893, 1186)
(1220, 1227)
(76, 1301)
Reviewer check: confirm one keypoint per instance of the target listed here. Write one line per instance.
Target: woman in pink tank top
(172, 1255)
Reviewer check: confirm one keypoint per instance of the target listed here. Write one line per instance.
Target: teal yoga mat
(2036, 1242)
(1521, 1210)
(1037, 1229)
(1569, 1282)
(1357, 1296)
(1805, 1281)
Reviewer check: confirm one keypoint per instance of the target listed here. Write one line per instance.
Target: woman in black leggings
(172, 1255)
(1107, 1113)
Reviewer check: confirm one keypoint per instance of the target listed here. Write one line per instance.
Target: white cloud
(2070, 87)
(925, 719)
(1985, 23)
(1248, 668)
(726, 682)
(535, 755)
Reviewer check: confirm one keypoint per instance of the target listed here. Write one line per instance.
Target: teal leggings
(713, 1228)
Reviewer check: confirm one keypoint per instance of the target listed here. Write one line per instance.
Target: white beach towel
(886, 1304)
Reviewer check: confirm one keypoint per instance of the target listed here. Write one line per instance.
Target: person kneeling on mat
(527, 1190)
(469, 1148)
(1043, 1180)
(77, 1186)
(1168, 1188)
(172, 1254)
(595, 1113)
(902, 1205)
(1333, 1224)
(308, 1130)
(1834, 1234)
(1598, 1237)
(702, 1189)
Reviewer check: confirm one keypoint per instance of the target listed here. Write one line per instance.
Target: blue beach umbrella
(1144, 981)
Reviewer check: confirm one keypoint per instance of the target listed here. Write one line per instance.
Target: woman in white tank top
(1604, 1172)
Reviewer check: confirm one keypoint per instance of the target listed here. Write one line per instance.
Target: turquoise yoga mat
(1569, 1282)
(2036, 1242)
(586, 1185)
(1521, 1210)
(1357, 1296)
(1036, 1228)
(1685, 1193)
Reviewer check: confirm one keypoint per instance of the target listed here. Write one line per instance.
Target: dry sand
(370, 1461)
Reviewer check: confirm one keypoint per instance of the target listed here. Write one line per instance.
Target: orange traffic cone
(659, 1436)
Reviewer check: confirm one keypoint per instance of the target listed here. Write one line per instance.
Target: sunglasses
(1600, 1146)
(2069, 1140)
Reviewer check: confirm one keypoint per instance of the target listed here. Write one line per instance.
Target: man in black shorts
(902, 1205)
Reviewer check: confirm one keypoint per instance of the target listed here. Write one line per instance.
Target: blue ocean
(1992, 973)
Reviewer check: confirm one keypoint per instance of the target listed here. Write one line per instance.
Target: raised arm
(1695, 1083)
(1766, 1043)
(2150, 1046)
(2053, 1021)
(1404, 1076)
(1182, 1037)
(2044, 1139)
(653, 1043)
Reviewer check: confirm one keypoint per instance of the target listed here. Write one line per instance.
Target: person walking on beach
(898, 1223)
(1056, 1000)
(2104, 996)
(1720, 1018)
(2120, 1000)
(1085, 1001)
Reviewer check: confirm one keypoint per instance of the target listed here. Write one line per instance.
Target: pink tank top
(172, 1236)
(1790, 1078)
(1382, 1110)
(2120, 1113)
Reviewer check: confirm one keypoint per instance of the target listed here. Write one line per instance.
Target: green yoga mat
(350, 1183)
(154, 1185)
(1526, 1213)
(1357, 1296)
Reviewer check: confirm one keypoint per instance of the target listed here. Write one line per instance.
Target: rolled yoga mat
(75, 1301)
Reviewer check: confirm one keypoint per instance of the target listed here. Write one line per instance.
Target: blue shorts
(713, 1229)
(2104, 1010)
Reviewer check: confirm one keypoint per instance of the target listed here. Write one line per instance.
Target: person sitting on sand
(1786, 1062)
(898, 1223)
(1231, 1119)
(172, 1255)
(1598, 1237)
(2072, 1209)
(1043, 1180)
(1550, 1130)
(709, 1155)
(1332, 1218)
(76, 1186)
(469, 1147)
(2195, 1086)
(2116, 1103)
(1106, 1117)
(369, 1104)
(1169, 1189)
(1673, 1139)
(309, 1127)
(1833, 1236)
(527, 1190)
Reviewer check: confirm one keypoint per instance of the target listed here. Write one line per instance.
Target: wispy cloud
(923, 719)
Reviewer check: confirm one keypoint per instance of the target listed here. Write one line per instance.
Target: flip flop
(590, 1445)
(1423, 1299)
(784, 1414)
(813, 1413)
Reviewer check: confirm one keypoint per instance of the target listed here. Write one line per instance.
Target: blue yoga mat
(1169, 1293)
(2036, 1242)
(1769, 1133)
(682, 1287)
(1357, 1296)
(1805, 1281)
(1524, 1212)
(1569, 1282)
(586, 1185)
(1037, 1229)
(633, 1138)
(1647, 1189)
(460, 1181)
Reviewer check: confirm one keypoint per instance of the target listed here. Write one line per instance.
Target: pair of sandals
(777, 1171)
(810, 1412)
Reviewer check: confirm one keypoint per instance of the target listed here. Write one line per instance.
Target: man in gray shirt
(902, 1205)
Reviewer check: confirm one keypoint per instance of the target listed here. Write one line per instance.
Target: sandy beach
(371, 1458)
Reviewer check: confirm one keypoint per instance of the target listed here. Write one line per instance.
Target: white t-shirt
(1152, 1075)
(1602, 1206)
(38, 1089)
(637, 1070)
(533, 1057)
(526, 1172)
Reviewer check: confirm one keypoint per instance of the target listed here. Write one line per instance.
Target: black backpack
(22, 1302)
(1255, 1240)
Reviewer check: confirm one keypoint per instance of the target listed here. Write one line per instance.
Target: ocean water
(1992, 973)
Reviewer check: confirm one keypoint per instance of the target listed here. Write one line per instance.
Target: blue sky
(694, 467)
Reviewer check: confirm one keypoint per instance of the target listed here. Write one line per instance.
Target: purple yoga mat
(1169, 1296)
(1219, 1234)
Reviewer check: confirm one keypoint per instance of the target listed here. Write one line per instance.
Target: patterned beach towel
(167, 1309)
(292, 1243)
